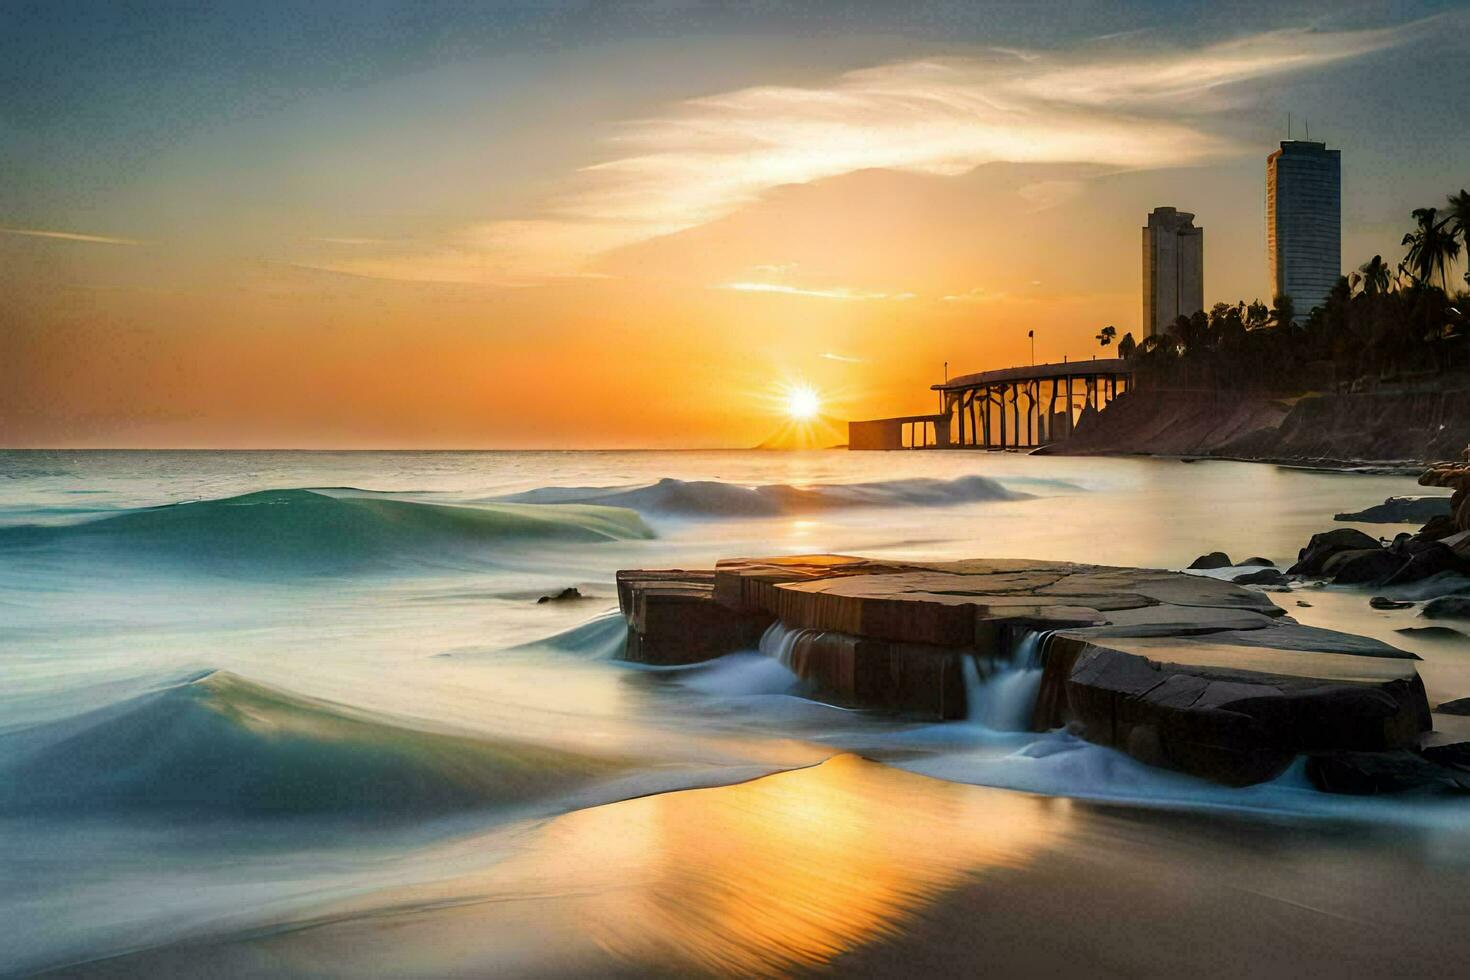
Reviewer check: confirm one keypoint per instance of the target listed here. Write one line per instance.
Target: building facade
(1173, 269)
(1304, 222)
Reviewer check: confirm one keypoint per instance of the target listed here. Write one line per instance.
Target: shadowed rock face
(1400, 510)
(1180, 671)
(1457, 477)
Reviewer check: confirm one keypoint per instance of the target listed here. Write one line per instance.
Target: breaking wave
(601, 638)
(311, 529)
(220, 745)
(708, 498)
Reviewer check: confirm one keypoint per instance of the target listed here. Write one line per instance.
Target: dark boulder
(1326, 544)
(1370, 773)
(1263, 562)
(1264, 576)
(1401, 510)
(1341, 539)
(1437, 528)
(1447, 607)
(1215, 559)
(1448, 742)
(1443, 584)
(1432, 632)
(1453, 753)
(1369, 566)
(1384, 602)
(565, 595)
(1427, 558)
(1459, 706)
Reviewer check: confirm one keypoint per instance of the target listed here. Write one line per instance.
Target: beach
(862, 869)
(369, 749)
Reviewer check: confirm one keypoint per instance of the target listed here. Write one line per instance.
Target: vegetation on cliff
(1382, 323)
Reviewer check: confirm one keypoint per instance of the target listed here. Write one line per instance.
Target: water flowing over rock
(1180, 671)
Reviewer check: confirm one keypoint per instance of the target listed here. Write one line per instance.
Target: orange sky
(437, 260)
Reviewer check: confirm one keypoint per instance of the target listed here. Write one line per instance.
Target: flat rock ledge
(1180, 671)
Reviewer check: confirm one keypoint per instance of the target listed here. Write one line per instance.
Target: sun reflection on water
(761, 878)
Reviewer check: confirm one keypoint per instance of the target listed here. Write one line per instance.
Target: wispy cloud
(837, 292)
(708, 156)
(979, 294)
(71, 236)
(829, 356)
(356, 242)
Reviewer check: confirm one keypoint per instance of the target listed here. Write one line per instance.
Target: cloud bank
(706, 157)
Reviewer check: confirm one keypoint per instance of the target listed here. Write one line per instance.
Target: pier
(1009, 408)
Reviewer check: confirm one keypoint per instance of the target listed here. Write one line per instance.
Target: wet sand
(858, 868)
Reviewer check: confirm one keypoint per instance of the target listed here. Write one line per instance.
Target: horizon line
(395, 449)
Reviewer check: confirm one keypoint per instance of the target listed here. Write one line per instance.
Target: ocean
(303, 712)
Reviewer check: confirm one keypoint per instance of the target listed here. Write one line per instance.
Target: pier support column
(1051, 412)
(1015, 393)
(985, 417)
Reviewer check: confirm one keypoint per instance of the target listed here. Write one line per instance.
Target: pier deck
(1009, 408)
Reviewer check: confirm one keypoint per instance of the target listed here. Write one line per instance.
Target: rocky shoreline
(1200, 673)
(1183, 672)
(1383, 430)
(1428, 569)
(1435, 560)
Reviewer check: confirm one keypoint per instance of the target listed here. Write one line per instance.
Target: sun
(802, 403)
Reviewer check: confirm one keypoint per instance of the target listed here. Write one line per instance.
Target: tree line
(1380, 323)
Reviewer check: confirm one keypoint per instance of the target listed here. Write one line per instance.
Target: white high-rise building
(1173, 269)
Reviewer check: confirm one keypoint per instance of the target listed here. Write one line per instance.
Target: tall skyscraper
(1304, 222)
(1173, 269)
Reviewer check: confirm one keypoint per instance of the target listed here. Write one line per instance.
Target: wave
(601, 638)
(709, 498)
(314, 529)
(220, 745)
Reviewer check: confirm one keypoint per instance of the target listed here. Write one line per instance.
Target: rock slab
(1180, 671)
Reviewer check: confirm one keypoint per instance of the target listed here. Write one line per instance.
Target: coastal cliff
(1388, 426)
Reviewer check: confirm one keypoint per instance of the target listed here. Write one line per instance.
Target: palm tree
(1432, 247)
(1459, 210)
(1401, 277)
(1373, 275)
(1106, 335)
(1127, 346)
(1283, 311)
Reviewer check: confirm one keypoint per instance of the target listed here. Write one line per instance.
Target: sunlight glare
(802, 403)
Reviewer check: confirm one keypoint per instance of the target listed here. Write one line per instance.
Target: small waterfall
(1000, 692)
(1004, 699)
(779, 642)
